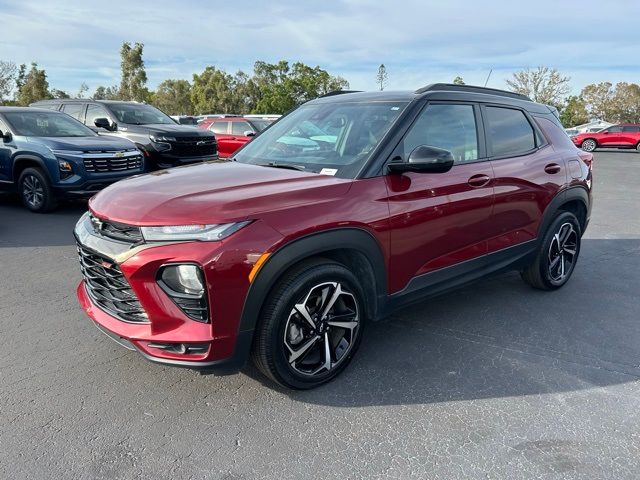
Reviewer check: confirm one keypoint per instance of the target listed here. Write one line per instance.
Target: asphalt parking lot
(493, 381)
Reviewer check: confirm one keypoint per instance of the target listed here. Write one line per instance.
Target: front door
(438, 219)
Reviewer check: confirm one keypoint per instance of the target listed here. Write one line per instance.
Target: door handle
(552, 168)
(479, 180)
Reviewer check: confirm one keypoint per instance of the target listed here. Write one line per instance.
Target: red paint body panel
(421, 222)
(606, 139)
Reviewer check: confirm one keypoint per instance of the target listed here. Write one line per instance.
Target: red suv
(624, 135)
(232, 132)
(287, 252)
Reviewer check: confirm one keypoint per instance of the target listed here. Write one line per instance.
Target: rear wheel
(589, 145)
(638, 147)
(557, 254)
(311, 325)
(35, 191)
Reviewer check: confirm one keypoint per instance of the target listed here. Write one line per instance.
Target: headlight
(162, 138)
(210, 233)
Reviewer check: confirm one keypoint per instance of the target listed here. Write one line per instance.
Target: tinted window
(509, 131)
(46, 124)
(616, 129)
(631, 129)
(238, 128)
(219, 127)
(73, 109)
(452, 127)
(139, 114)
(93, 112)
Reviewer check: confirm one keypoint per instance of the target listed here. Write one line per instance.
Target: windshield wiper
(289, 166)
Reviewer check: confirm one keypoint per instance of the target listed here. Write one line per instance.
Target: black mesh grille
(194, 146)
(109, 289)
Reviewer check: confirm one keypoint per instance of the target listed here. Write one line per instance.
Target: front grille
(117, 231)
(112, 162)
(194, 146)
(109, 289)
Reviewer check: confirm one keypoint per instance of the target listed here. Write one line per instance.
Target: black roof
(25, 109)
(84, 100)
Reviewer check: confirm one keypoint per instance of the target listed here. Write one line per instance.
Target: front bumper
(227, 348)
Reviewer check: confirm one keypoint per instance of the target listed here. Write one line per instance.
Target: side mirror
(424, 159)
(5, 136)
(249, 133)
(104, 123)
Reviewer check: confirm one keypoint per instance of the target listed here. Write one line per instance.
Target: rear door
(528, 174)
(239, 128)
(221, 131)
(439, 219)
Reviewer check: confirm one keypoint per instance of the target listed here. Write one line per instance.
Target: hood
(174, 129)
(212, 193)
(83, 143)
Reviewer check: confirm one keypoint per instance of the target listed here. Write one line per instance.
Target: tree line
(271, 88)
(279, 87)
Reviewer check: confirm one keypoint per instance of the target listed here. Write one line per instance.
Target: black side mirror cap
(105, 123)
(424, 159)
(5, 136)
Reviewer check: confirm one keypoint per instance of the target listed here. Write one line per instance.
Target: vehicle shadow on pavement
(21, 228)
(501, 338)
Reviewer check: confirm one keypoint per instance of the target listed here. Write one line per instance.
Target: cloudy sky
(420, 42)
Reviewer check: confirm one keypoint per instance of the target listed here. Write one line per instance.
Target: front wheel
(35, 191)
(311, 325)
(638, 147)
(589, 145)
(557, 254)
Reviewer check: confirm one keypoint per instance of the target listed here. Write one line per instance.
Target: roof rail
(338, 92)
(471, 89)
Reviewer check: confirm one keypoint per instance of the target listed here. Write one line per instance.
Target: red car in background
(232, 132)
(624, 135)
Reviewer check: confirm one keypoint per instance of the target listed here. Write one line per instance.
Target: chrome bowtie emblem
(119, 154)
(201, 142)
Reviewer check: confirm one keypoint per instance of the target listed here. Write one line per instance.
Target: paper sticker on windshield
(329, 171)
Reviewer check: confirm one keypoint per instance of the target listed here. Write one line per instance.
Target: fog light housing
(184, 284)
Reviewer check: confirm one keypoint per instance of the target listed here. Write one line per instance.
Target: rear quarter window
(509, 132)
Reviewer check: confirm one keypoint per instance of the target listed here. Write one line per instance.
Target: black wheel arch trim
(565, 196)
(27, 158)
(305, 247)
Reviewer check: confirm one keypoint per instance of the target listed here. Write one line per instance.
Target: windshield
(331, 138)
(260, 125)
(139, 114)
(47, 124)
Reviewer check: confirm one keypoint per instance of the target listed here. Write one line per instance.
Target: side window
(631, 128)
(50, 106)
(73, 109)
(509, 131)
(3, 127)
(93, 112)
(448, 126)
(238, 128)
(615, 129)
(219, 127)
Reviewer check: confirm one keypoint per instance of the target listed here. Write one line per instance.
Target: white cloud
(419, 42)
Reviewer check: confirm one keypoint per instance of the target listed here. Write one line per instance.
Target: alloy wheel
(33, 191)
(562, 253)
(589, 145)
(321, 329)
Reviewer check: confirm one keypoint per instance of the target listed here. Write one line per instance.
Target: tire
(290, 346)
(589, 145)
(35, 191)
(554, 262)
(638, 147)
